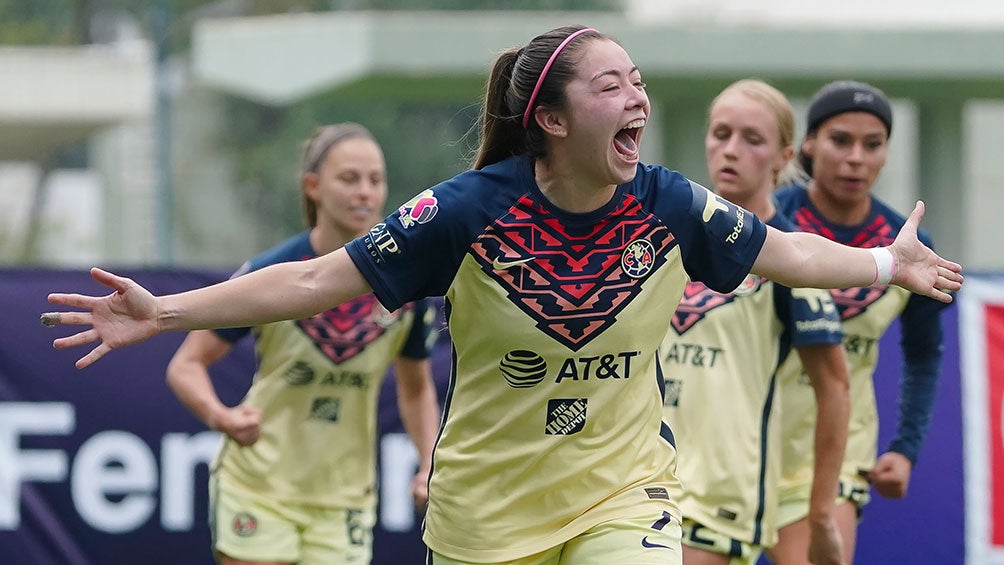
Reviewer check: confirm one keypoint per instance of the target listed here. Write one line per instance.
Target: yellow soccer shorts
(649, 540)
(254, 527)
(700, 537)
(794, 503)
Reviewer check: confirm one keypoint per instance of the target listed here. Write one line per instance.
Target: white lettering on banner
(113, 462)
(113, 477)
(41, 465)
(398, 465)
(180, 455)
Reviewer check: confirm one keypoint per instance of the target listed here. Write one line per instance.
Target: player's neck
(324, 239)
(840, 212)
(563, 187)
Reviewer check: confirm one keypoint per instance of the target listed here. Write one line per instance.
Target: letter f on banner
(45, 465)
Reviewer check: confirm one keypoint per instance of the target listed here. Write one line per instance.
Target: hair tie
(543, 73)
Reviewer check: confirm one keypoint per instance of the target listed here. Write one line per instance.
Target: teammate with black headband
(843, 152)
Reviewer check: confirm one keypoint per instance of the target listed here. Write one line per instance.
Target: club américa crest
(244, 524)
(638, 258)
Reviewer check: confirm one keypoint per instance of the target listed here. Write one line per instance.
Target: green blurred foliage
(30, 22)
(424, 138)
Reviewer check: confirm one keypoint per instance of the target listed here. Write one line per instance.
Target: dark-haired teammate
(849, 124)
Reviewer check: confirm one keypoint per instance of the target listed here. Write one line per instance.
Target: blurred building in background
(191, 151)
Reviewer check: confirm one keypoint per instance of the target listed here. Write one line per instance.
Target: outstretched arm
(130, 314)
(800, 260)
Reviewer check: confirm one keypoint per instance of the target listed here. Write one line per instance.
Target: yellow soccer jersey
(317, 385)
(866, 314)
(553, 419)
(720, 358)
(861, 336)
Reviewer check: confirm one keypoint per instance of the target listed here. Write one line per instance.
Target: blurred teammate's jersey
(317, 385)
(720, 357)
(866, 314)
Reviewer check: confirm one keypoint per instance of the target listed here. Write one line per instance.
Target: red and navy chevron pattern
(344, 331)
(877, 233)
(570, 280)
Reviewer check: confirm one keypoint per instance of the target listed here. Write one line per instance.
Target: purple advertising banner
(105, 466)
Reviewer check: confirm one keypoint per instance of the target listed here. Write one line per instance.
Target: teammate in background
(722, 353)
(294, 481)
(844, 149)
(562, 259)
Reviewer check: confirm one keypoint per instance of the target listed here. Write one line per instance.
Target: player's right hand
(128, 315)
(919, 269)
(242, 423)
(825, 545)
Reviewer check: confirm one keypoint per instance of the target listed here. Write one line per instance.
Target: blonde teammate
(723, 350)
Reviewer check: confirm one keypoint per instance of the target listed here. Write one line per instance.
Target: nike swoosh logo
(646, 543)
(503, 265)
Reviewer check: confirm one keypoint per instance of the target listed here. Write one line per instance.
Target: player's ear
(783, 158)
(809, 146)
(310, 182)
(552, 122)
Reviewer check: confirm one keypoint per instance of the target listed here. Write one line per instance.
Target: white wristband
(885, 265)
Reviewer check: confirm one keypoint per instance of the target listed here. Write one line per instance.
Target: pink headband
(543, 73)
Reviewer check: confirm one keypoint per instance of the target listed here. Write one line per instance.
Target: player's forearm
(286, 291)
(830, 443)
(918, 390)
(828, 372)
(922, 344)
(419, 409)
(806, 260)
(191, 383)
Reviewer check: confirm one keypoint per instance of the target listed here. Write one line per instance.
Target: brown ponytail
(508, 90)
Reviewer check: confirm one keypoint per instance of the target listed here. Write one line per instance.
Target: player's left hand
(420, 491)
(891, 474)
(918, 268)
(126, 316)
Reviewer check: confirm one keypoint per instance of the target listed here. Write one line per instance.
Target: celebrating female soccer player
(562, 259)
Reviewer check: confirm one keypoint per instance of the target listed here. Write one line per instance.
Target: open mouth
(626, 140)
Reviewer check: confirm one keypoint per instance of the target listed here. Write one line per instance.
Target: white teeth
(640, 122)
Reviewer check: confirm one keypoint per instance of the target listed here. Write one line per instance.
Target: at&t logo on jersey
(522, 368)
(419, 209)
(565, 416)
(638, 258)
(526, 369)
(301, 373)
